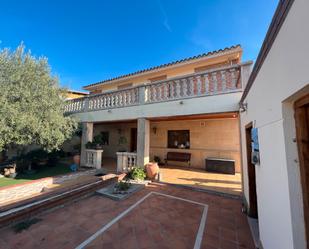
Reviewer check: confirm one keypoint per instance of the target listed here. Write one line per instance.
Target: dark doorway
(133, 145)
(302, 137)
(252, 212)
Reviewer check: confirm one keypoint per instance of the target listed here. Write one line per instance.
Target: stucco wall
(115, 132)
(208, 138)
(281, 80)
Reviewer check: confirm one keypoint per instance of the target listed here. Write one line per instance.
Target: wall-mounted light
(109, 110)
(243, 107)
(181, 102)
(154, 129)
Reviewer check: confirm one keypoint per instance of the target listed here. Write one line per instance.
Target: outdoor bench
(178, 157)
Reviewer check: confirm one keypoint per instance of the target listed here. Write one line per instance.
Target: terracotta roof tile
(165, 65)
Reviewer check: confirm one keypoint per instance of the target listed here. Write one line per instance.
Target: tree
(31, 102)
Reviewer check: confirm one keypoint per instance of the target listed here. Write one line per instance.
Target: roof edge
(77, 91)
(277, 21)
(230, 49)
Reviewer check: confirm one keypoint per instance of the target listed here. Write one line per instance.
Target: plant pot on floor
(76, 159)
(152, 170)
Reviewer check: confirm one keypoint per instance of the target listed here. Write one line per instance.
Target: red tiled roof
(166, 65)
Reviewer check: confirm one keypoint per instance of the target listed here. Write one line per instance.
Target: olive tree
(31, 102)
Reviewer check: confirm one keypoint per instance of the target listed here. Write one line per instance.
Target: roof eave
(236, 49)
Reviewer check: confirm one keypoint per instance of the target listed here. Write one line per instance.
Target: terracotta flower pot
(76, 159)
(152, 169)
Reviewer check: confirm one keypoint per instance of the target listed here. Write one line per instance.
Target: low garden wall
(16, 192)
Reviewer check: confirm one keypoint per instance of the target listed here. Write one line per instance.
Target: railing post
(141, 95)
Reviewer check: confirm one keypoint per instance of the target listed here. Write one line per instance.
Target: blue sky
(88, 41)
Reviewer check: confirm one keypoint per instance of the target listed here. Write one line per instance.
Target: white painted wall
(283, 78)
(199, 105)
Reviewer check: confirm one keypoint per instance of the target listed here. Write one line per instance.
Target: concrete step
(23, 210)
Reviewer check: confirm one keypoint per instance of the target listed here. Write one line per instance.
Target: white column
(87, 134)
(143, 141)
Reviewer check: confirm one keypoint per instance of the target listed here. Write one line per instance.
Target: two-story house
(190, 105)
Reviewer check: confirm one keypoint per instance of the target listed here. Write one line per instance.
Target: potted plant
(152, 170)
(96, 144)
(137, 174)
(76, 154)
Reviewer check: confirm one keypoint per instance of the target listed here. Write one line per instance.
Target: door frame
(252, 211)
(302, 127)
(133, 139)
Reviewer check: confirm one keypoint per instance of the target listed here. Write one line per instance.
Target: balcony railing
(125, 161)
(211, 82)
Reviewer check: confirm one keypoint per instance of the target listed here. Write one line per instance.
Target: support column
(143, 141)
(87, 135)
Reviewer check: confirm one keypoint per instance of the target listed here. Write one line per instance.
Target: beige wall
(208, 138)
(115, 132)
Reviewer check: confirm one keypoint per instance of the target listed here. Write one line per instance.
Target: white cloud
(165, 18)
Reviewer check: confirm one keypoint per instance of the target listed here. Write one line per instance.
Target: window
(105, 137)
(179, 139)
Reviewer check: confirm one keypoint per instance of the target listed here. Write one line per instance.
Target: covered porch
(136, 142)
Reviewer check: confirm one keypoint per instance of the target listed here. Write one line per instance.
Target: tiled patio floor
(192, 177)
(230, 184)
(157, 222)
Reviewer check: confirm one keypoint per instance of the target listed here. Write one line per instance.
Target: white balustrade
(125, 161)
(93, 158)
(214, 81)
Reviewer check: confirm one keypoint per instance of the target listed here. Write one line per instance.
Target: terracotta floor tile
(158, 222)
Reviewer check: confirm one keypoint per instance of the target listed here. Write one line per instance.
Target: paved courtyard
(192, 177)
(160, 216)
(230, 184)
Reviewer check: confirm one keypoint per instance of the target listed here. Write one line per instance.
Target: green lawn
(60, 169)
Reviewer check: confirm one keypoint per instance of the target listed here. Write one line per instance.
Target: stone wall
(21, 191)
(13, 193)
(208, 138)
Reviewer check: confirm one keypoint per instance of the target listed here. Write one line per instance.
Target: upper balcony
(216, 90)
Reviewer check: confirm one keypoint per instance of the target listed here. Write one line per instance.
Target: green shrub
(97, 142)
(122, 186)
(136, 173)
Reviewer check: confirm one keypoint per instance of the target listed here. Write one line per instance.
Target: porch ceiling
(198, 116)
(178, 117)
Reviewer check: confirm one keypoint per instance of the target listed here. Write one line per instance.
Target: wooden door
(133, 145)
(252, 212)
(302, 138)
